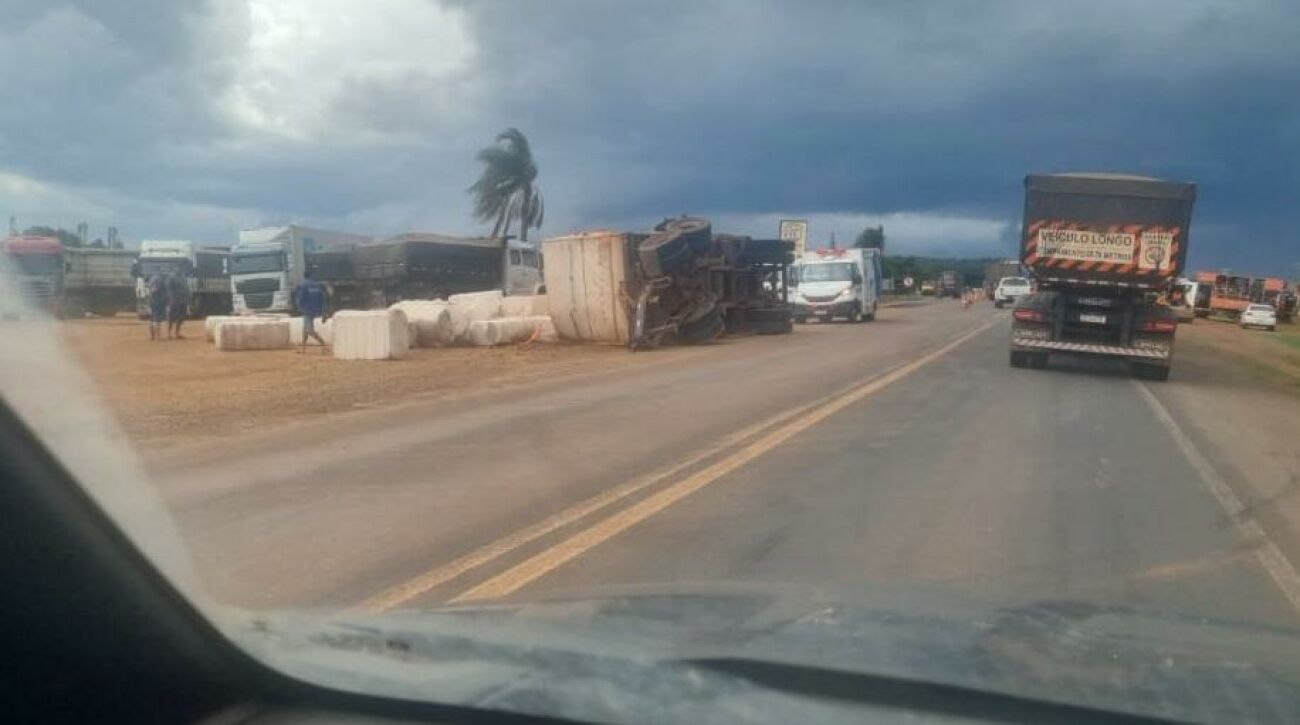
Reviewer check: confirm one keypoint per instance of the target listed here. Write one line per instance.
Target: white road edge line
(1279, 568)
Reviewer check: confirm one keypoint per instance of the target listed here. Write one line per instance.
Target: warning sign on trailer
(1157, 248)
(1088, 246)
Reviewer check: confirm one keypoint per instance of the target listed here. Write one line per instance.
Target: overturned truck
(679, 282)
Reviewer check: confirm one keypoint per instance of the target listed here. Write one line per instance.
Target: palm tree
(506, 190)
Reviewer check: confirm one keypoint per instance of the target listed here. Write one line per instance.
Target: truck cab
(837, 283)
(267, 264)
(523, 269)
(34, 265)
(205, 271)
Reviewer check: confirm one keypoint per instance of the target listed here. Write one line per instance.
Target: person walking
(178, 303)
(157, 287)
(311, 297)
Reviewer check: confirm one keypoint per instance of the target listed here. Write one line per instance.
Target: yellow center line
(426, 582)
(551, 559)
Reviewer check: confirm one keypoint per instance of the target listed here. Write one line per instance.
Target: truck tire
(871, 316)
(800, 320)
(694, 231)
(856, 315)
(1019, 359)
(664, 253)
(998, 304)
(1149, 371)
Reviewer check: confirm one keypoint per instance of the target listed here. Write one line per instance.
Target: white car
(1009, 290)
(1259, 316)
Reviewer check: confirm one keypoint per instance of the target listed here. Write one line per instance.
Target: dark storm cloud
(636, 110)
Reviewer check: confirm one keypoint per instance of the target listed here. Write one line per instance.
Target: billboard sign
(795, 230)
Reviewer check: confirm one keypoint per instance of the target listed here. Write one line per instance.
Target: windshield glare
(547, 350)
(826, 272)
(256, 262)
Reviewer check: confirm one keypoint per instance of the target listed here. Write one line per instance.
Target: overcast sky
(194, 120)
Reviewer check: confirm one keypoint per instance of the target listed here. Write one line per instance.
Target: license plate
(1095, 319)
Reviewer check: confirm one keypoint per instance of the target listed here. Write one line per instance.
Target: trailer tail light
(1159, 326)
(1029, 316)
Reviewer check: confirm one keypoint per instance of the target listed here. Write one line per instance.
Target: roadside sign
(907, 281)
(795, 230)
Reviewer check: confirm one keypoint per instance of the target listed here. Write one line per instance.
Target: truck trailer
(1105, 250)
(435, 266)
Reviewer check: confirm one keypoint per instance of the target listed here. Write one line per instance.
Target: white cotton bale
(324, 328)
(472, 307)
(252, 333)
(370, 334)
(524, 306)
(211, 322)
(507, 330)
(429, 320)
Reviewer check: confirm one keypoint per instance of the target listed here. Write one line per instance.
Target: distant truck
(430, 266)
(267, 264)
(838, 283)
(69, 281)
(1104, 249)
(949, 284)
(98, 281)
(33, 267)
(205, 270)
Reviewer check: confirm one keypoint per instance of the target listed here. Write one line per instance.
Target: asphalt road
(904, 451)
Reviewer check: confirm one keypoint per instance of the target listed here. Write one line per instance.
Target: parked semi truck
(434, 266)
(949, 284)
(838, 283)
(205, 270)
(69, 281)
(267, 264)
(1104, 249)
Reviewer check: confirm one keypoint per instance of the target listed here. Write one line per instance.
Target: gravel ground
(173, 390)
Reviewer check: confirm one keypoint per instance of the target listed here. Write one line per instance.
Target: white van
(837, 283)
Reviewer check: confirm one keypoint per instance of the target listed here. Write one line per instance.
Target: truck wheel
(871, 316)
(998, 304)
(1019, 359)
(1148, 371)
(800, 320)
(1038, 360)
(856, 315)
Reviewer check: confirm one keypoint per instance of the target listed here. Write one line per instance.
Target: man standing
(310, 298)
(178, 302)
(157, 304)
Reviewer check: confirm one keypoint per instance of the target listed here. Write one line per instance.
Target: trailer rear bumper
(1146, 354)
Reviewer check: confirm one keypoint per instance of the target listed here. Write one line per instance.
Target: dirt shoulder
(174, 391)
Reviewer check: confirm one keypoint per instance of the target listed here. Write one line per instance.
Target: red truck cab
(35, 265)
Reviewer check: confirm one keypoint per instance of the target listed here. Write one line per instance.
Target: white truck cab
(523, 270)
(834, 283)
(267, 264)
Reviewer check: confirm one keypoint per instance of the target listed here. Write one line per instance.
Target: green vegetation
(871, 238)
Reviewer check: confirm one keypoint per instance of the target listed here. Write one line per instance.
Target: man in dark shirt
(311, 297)
(157, 304)
(178, 302)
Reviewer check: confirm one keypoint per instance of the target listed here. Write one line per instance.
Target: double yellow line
(779, 430)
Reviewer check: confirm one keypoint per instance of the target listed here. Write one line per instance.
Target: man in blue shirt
(311, 297)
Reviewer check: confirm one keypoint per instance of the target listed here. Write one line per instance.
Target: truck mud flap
(770, 320)
(702, 330)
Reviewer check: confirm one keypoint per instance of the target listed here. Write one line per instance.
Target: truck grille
(253, 286)
(258, 301)
(821, 298)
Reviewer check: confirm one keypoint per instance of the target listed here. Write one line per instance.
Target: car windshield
(546, 357)
(256, 262)
(826, 272)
